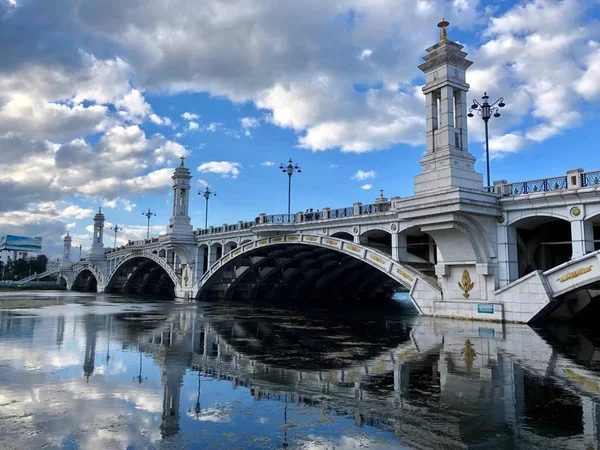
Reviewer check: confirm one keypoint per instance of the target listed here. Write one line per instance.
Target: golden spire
(442, 26)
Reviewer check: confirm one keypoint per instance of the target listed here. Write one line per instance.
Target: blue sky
(99, 99)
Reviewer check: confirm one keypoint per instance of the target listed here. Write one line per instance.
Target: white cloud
(190, 116)
(157, 120)
(133, 106)
(249, 122)
(333, 166)
(267, 163)
(363, 175)
(193, 126)
(366, 187)
(365, 54)
(226, 169)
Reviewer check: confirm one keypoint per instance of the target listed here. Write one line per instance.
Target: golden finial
(442, 26)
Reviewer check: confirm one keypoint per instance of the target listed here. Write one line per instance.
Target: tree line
(21, 268)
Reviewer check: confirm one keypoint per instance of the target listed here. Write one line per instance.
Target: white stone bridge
(509, 252)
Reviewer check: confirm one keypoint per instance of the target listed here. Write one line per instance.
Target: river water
(107, 372)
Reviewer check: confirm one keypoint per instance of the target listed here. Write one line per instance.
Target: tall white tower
(447, 162)
(179, 223)
(66, 259)
(97, 251)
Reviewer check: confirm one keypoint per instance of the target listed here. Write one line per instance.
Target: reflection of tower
(172, 378)
(60, 331)
(98, 238)
(180, 220)
(91, 332)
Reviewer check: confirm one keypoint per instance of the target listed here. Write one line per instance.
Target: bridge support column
(212, 255)
(399, 248)
(200, 269)
(582, 237)
(508, 261)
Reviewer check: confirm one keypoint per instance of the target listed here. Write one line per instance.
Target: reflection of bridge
(513, 252)
(480, 380)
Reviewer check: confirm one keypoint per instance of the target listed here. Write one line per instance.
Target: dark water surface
(108, 372)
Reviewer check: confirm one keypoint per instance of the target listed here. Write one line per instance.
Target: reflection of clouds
(216, 414)
(144, 401)
(312, 442)
(36, 359)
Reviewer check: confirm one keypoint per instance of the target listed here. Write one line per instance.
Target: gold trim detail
(263, 242)
(403, 274)
(377, 258)
(570, 275)
(355, 230)
(575, 211)
(352, 248)
(330, 242)
(465, 284)
(394, 227)
(276, 239)
(225, 259)
(292, 238)
(248, 246)
(237, 252)
(310, 238)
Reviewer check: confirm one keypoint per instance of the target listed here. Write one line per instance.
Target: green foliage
(21, 268)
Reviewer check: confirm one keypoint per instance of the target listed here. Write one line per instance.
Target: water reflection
(99, 374)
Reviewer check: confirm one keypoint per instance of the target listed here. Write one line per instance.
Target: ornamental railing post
(575, 179)
(325, 213)
(261, 218)
(357, 206)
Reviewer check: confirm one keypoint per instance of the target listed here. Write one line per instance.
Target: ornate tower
(66, 259)
(179, 223)
(97, 251)
(447, 162)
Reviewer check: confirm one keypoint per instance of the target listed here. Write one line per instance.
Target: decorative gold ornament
(310, 238)
(353, 248)
(465, 284)
(263, 242)
(575, 211)
(394, 227)
(355, 230)
(324, 230)
(330, 242)
(237, 252)
(377, 259)
(276, 239)
(443, 33)
(468, 353)
(403, 274)
(500, 219)
(292, 238)
(574, 274)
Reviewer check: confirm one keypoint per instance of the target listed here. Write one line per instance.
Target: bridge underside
(141, 276)
(85, 282)
(297, 272)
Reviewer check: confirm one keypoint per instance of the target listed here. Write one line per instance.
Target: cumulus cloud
(267, 164)
(192, 126)
(226, 169)
(366, 187)
(190, 116)
(363, 175)
(157, 120)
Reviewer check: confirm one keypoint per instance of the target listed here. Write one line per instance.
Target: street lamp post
(290, 169)
(486, 110)
(116, 229)
(206, 194)
(148, 214)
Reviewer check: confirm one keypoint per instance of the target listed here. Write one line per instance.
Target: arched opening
(343, 235)
(162, 253)
(300, 273)
(203, 256)
(61, 282)
(229, 247)
(141, 276)
(594, 223)
(378, 239)
(418, 249)
(542, 243)
(85, 282)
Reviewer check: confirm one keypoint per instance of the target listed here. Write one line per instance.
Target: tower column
(180, 222)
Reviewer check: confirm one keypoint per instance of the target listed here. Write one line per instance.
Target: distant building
(16, 247)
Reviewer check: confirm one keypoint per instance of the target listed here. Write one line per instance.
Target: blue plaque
(485, 308)
(487, 333)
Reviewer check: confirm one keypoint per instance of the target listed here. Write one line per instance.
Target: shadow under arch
(85, 281)
(143, 275)
(306, 267)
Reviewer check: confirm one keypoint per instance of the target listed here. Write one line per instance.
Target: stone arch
(229, 246)
(85, 281)
(162, 253)
(542, 242)
(377, 238)
(344, 235)
(122, 279)
(246, 259)
(529, 214)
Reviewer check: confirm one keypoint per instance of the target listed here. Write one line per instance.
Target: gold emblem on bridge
(465, 284)
(226, 258)
(237, 252)
(310, 238)
(292, 238)
(574, 274)
(262, 242)
(377, 259)
(403, 274)
(330, 242)
(248, 246)
(352, 248)
(276, 239)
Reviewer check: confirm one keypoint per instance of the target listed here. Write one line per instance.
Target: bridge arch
(85, 281)
(344, 235)
(329, 262)
(143, 272)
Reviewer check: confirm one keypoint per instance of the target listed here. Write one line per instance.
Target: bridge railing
(590, 178)
(280, 218)
(375, 208)
(340, 213)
